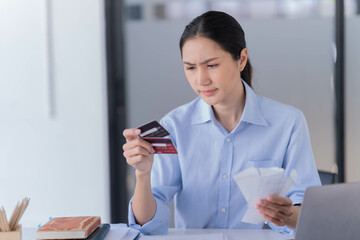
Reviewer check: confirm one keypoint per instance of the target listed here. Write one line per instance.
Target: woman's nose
(203, 77)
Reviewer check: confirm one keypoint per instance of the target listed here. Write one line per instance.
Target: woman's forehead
(200, 43)
(200, 49)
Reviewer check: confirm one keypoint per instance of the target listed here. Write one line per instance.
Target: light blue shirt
(200, 176)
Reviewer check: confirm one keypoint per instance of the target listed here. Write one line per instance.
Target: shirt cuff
(159, 224)
(296, 200)
(282, 229)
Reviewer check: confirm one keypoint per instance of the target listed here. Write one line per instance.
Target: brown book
(68, 228)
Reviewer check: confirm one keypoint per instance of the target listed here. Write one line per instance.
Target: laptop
(330, 212)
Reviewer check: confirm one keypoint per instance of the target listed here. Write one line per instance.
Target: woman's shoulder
(180, 118)
(278, 111)
(274, 105)
(182, 114)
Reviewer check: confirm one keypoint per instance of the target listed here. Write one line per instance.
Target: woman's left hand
(278, 210)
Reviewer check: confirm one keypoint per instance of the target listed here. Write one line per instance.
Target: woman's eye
(212, 65)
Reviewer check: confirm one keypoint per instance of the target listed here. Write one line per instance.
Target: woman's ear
(243, 59)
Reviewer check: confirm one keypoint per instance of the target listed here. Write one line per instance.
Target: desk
(231, 234)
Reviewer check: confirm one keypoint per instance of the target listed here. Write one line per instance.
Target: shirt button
(228, 139)
(223, 210)
(224, 176)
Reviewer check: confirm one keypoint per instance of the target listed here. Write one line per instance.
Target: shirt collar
(202, 112)
(252, 113)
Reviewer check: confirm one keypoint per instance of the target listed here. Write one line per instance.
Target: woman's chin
(208, 101)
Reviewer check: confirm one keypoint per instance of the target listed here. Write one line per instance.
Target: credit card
(153, 132)
(162, 145)
(153, 129)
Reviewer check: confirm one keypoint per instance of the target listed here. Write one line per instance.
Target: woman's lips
(209, 93)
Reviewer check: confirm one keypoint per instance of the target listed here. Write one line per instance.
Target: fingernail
(152, 150)
(137, 131)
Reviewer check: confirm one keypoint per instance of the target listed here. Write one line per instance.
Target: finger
(137, 150)
(131, 133)
(273, 213)
(271, 218)
(138, 142)
(286, 210)
(132, 161)
(284, 201)
(275, 221)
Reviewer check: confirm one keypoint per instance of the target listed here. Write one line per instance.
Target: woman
(227, 129)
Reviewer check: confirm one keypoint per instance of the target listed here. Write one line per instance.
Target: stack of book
(88, 227)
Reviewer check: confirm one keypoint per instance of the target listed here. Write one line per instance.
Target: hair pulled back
(224, 30)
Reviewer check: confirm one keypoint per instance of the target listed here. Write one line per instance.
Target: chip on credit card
(154, 133)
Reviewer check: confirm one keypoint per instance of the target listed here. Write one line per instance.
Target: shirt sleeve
(157, 225)
(165, 183)
(299, 156)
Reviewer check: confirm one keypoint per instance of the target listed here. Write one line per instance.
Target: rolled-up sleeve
(158, 224)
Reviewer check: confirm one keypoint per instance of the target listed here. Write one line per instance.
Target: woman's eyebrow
(204, 62)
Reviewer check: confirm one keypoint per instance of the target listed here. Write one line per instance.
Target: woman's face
(212, 72)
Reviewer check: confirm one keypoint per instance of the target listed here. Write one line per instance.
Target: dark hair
(224, 30)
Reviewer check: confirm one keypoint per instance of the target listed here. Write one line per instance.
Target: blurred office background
(74, 74)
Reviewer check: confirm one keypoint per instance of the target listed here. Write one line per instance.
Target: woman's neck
(229, 114)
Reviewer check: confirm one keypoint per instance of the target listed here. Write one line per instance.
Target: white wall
(59, 161)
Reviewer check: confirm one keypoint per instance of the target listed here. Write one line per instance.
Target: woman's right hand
(138, 152)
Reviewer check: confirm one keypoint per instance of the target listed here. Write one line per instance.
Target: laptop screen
(330, 212)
